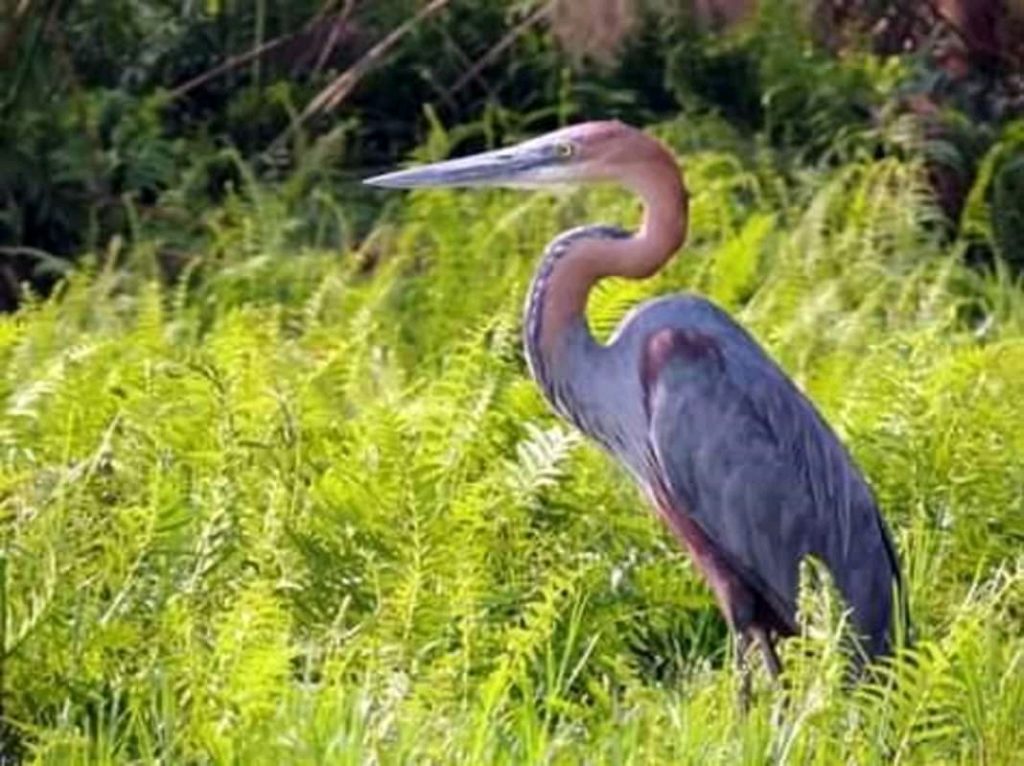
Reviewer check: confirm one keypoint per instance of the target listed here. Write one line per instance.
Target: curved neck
(576, 261)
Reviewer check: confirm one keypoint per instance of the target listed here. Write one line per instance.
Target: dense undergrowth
(306, 506)
(123, 120)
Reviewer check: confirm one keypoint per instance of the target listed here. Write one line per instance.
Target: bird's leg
(771, 657)
(743, 667)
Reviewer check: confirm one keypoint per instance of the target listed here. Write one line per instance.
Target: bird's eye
(565, 149)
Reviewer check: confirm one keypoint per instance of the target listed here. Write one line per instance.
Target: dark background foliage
(119, 116)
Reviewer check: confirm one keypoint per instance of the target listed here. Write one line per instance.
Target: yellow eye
(565, 149)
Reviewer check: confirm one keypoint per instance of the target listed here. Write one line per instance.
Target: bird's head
(585, 153)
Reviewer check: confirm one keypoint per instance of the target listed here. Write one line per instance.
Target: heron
(734, 458)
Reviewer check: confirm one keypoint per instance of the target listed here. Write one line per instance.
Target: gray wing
(750, 460)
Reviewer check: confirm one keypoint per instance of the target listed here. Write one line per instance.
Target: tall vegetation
(311, 509)
(123, 120)
(275, 486)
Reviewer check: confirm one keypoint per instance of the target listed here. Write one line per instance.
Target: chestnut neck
(575, 261)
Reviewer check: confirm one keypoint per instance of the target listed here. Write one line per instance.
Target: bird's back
(748, 457)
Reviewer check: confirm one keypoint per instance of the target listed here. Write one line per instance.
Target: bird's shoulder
(710, 389)
(701, 364)
(689, 328)
(680, 311)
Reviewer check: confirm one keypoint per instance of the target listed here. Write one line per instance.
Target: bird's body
(732, 456)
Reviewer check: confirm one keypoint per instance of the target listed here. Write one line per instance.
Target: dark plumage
(733, 457)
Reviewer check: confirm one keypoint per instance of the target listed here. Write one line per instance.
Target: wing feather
(760, 472)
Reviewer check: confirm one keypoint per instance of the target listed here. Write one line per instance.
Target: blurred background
(135, 119)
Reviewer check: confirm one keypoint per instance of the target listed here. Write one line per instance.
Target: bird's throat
(556, 303)
(576, 260)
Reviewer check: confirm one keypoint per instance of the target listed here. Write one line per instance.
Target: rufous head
(585, 153)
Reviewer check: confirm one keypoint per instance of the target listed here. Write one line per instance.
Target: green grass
(311, 508)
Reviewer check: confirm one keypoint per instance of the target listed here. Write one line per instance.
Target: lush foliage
(305, 506)
(122, 120)
(119, 114)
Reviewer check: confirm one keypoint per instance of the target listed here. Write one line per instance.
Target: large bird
(733, 457)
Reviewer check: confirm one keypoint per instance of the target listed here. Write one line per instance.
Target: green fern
(309, 508)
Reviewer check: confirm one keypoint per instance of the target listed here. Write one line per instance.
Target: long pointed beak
(516, 166)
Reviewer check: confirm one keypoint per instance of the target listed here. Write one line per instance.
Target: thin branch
(334, 36)
(500, 47)
(467, 64)
(335, 93)
(257, 52)
(233, 62)
(24, 63)
(15, 23)
(331, 97)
